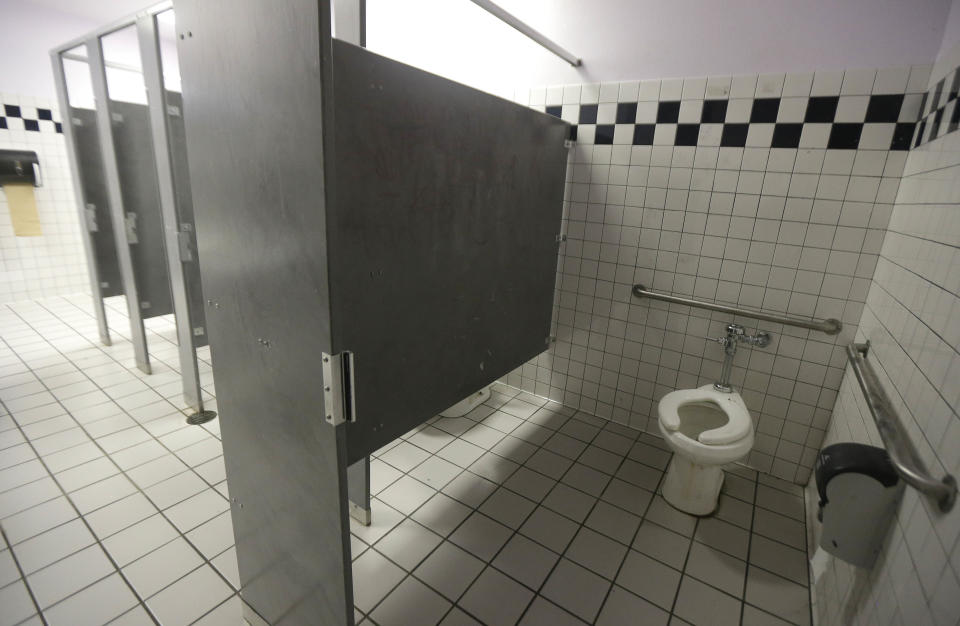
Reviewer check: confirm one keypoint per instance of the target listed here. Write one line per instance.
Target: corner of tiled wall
(770, 192)
(910, 318)
(54, 263)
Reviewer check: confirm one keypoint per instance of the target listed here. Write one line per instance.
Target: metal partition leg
(358, 490)
(98, 76)
(88, 246)
(153, 79)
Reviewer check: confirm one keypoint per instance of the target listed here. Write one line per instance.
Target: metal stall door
(184, 204)
(93, 188)
(138, 183)
(443, 233)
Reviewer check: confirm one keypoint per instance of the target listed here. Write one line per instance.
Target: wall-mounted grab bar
(901, 451)
(830, 326)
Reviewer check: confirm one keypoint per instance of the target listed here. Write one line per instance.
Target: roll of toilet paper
(23, 209)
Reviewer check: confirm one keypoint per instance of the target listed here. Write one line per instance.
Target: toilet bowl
(706, 429)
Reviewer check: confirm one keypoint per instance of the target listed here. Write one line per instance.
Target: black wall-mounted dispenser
(19, 166)
(859, 491)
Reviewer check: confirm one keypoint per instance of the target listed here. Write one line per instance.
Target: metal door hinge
(131, 226)
(569, 143)
(91, 214)
(173, 110)
(561, 238)
(185, 240)
(338, 397)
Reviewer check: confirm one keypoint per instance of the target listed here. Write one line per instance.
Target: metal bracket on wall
(185, 239)
(338, 397)
(91, 215)
(131, 225)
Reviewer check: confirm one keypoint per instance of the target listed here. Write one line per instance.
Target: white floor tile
(190, 597)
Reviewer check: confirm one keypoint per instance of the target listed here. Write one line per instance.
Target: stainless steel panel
(442, 239)
(254, 79)
(93, 188)
(98, 78)
(89, 230)
(181, 259)
(136, 166)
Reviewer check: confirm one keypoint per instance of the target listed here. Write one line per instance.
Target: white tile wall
(912, 319)
(783, 230)
(54, 263)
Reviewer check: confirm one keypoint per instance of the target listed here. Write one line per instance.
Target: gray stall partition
(93, 188)
(375, 242)
(184, 206)
(132, 140)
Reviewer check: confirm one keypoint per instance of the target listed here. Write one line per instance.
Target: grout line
(23, 576)
(162, 512)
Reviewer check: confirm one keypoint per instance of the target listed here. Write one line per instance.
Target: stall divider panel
(443, 235)
(94, 228)
(137, 167)
(183, 265)
(256, 80)
(115, 195)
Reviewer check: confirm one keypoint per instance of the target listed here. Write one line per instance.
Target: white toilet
(706, 428)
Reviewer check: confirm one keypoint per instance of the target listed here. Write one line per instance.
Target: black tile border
(936, 118)
(30, 124)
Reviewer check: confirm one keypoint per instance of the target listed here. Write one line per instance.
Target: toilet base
(692, 488)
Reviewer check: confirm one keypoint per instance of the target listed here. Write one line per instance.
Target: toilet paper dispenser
(19, 166)
(859, 489)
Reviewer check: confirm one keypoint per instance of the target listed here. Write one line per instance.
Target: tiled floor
(522, 511)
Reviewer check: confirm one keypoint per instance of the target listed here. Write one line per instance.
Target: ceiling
(99, 11)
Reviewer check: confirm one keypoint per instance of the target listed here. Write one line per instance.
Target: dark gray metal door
(181, 177)
(442, 235)
(94, 190)
(138, 183)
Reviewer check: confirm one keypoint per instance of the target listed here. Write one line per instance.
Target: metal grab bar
(829, 326)
(537, 36)
(902, 454)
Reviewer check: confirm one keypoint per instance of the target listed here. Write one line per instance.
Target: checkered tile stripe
(939, 110)
(880, 122)
(35, 119)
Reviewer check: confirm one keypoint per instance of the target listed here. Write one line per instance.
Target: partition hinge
(91, 216)
(569, 143)
(338, 397)
(131, 226)
(561, 238)
(185, 239)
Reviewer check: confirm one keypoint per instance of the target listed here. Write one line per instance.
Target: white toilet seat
(694, 477)
(738, 423)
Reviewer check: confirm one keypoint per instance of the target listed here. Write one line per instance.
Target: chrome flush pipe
(735, 334)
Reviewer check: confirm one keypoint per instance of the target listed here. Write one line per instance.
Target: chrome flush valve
(735, 334)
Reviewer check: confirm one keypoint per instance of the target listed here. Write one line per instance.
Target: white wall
(629, 39)
(27, 33)
(618, 39)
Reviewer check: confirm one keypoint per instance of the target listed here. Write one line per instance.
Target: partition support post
(147, 35)
(358, 490)
(98, 77)
(63, 100)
